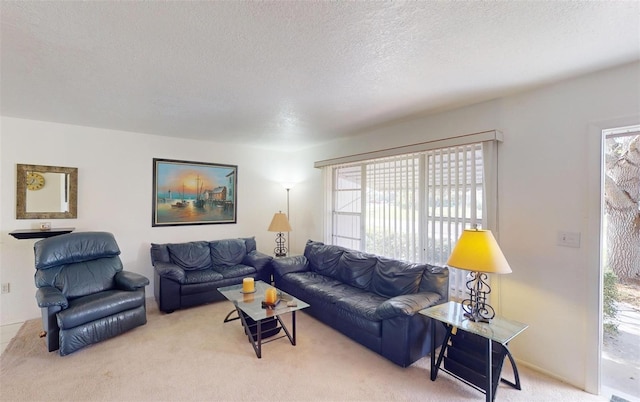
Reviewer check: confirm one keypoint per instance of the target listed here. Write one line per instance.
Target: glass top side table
(500, 330)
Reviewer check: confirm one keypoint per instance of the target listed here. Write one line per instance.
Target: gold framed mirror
(46, 192)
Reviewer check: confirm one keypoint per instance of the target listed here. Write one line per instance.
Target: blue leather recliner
(83, 292)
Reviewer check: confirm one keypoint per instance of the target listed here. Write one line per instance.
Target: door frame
(594, 243)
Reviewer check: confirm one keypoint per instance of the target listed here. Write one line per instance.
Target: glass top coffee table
(253, 315)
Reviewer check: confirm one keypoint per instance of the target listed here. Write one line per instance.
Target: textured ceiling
(291, 73)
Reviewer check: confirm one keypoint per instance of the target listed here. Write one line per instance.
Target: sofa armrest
(287, 265)
(49, 296)
(126, 280)
(407, 304)
(170, 271)
(257, 260)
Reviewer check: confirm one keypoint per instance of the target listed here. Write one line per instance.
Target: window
(347, 207)
(454, 190)
(411, 206)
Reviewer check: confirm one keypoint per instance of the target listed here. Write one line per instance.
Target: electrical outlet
(569, 239)
(6, 288)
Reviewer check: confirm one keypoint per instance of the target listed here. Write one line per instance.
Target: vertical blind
(454, 202)
(412, 207)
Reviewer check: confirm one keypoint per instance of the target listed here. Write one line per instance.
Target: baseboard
(551, 374)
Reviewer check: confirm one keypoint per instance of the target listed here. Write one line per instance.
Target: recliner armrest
(49, 296)
(170, 271)
(126, 280)
(407, 304)
(287, 265)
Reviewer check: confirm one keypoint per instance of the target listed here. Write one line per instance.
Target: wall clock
(35, 181)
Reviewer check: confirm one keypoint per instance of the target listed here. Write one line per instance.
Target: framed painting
(193, 193)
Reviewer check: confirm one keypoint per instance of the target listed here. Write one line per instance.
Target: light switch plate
(6, 288)
(569, 239)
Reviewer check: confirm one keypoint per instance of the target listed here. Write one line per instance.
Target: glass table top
(498, 329)
(251, 303)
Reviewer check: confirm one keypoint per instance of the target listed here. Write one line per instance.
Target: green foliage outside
(609, 304)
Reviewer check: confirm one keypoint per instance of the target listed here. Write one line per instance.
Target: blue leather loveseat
(371, 299)
(189, 274)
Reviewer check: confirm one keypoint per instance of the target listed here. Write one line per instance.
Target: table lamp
(477, 251)
(280, 224)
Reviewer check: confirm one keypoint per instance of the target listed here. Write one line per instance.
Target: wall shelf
(39, 234)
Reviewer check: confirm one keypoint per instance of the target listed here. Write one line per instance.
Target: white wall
(549, 180)
(115, 193)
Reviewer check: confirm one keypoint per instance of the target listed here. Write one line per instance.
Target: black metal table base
(489, 387)
(257, 342)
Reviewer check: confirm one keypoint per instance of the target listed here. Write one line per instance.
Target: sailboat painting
(193, 193)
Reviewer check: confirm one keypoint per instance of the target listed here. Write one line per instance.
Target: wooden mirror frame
(21, 192)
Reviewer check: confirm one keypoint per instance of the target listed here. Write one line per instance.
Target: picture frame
(193, 193)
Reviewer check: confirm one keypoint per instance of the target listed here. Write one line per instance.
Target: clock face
(35, 181)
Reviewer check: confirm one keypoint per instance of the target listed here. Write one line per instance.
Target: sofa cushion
(393, 278)
(228, 252)
(159, 253)
(234, 271)
(191, 256)
(355, 268)
(250, 243)
(350, 321)
(362, 303)
(435, 279)
(324, 259)
(204, 275)
(318, 286)
(98, 305)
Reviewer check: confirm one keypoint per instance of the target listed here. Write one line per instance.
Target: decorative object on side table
(280, 224)
(477, 251)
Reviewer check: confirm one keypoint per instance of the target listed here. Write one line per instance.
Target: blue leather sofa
(189, 274)
(84, 294)
(371, 299)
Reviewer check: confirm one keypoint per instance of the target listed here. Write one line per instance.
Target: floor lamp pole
(289, 219)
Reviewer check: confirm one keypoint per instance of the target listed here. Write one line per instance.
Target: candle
(248, 285)
(270, 296)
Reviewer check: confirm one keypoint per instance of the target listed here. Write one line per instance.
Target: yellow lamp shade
(477, 250)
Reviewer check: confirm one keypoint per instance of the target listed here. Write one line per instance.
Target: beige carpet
(191, 355)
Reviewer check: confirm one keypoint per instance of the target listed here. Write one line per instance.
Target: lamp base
(280, 250)
(475, 307)
(476, 318)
